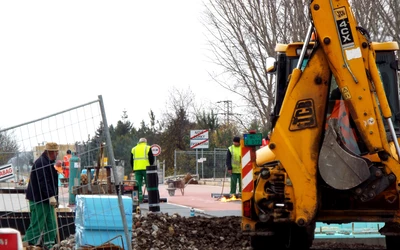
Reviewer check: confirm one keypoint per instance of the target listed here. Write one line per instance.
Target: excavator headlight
(271, 65)
(265, 174)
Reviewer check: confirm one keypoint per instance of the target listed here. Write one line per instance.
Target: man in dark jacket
(42, 192)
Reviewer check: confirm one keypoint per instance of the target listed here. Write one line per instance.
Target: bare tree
(380, 18)
(177, 124)
(242, 35)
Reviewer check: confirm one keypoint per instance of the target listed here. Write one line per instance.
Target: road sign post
(199, 140)
(156, 150)
(197, 164)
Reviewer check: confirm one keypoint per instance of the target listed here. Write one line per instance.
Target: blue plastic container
(85, 237)
(84, 171)
(98, 220)
(192, 212)
(102, 212)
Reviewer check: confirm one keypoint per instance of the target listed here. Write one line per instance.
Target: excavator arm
(351, 56)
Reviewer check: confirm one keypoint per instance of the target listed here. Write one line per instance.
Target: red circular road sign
(156, 149)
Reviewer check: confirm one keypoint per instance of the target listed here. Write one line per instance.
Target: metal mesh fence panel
(206, 164)
(86, 205)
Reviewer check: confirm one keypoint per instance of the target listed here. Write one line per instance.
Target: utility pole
(227, 109)
(124, 116)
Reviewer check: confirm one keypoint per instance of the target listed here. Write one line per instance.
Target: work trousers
(235, 180)
(43, 222)
(139, 176)
(66, 173)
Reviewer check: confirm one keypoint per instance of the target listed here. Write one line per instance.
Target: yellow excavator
(333, 154)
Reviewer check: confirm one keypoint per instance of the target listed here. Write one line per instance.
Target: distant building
(38, 150)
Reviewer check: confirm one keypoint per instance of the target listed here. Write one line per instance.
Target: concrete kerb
(208, 181)
(170, 208)
(215, 182)
(376, 240)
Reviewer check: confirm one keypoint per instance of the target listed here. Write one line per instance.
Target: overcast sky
(55, 55)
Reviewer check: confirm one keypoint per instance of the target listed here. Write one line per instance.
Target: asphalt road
(200, 198)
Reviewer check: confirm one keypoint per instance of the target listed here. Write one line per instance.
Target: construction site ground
(200, 198)
(203, 199)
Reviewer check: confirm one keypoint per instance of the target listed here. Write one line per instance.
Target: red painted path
(199, 197)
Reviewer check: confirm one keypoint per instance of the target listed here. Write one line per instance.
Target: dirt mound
(159, 231)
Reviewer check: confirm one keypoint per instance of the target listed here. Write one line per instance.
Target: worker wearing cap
(233, 164)
(141, 157)
(42, 192)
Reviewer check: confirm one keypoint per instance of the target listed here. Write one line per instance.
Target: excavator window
(284, 67)
(386, 63)
(337, 109)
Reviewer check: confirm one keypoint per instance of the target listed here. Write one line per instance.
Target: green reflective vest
(236, 159)
(140, 155)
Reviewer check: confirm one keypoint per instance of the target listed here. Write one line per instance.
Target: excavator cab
(386, 61)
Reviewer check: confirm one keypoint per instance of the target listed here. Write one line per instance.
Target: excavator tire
(392, 242)
(295, 237)
(285, 238)
(264, 242)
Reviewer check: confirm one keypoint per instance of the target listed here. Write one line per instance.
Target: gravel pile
(174, 232)
(160, 231)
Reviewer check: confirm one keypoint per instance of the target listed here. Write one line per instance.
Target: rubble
(159, 231)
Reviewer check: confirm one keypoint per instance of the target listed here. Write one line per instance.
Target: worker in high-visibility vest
(233, 163)
(141, 157)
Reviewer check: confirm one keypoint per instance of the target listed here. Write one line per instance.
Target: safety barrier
(70, 129)
(203, 163)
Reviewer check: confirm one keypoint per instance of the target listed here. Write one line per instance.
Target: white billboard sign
(6, 172)
(199, 134)
(199, 139)
(194, 144)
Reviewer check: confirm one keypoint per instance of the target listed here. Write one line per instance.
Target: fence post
(175, 163)
(197, 164)
(202, 164)
(163, 164)
(215, 160)
(114, 169)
